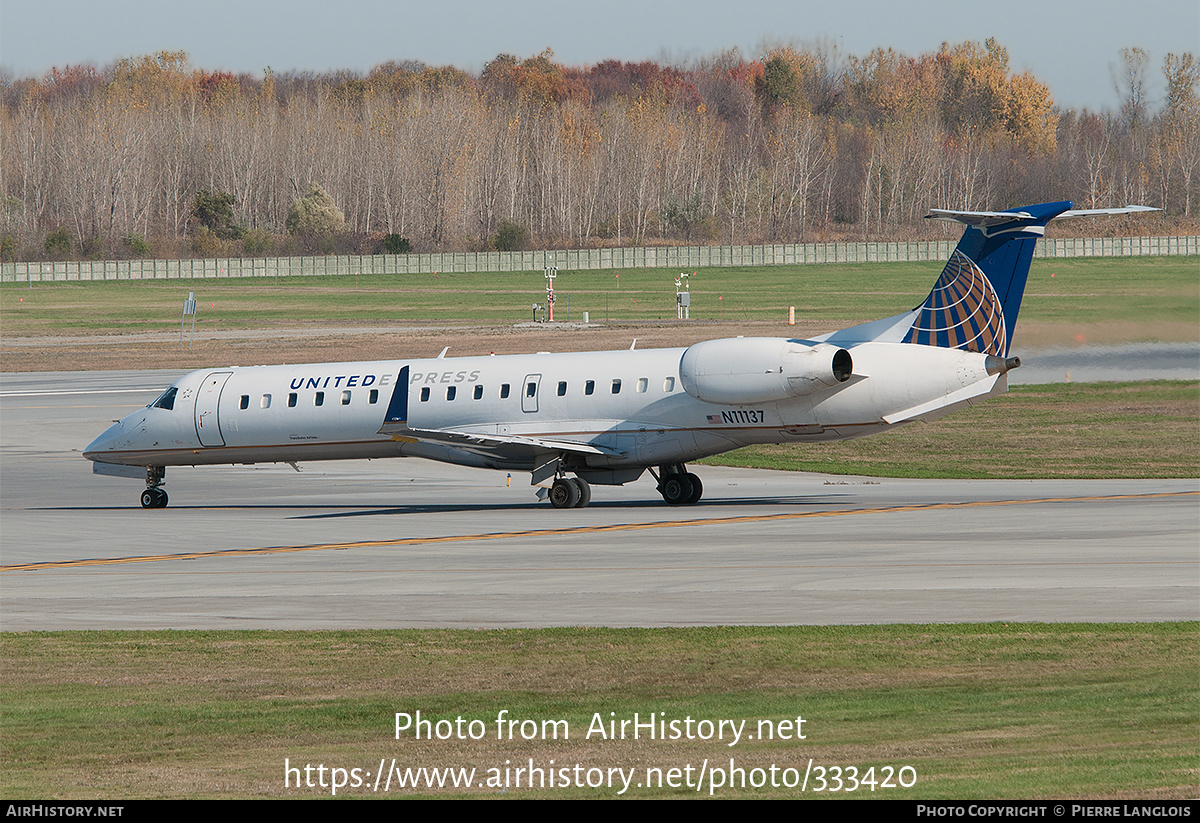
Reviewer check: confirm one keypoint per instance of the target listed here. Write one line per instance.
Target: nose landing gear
(155, 496)
(154, 499)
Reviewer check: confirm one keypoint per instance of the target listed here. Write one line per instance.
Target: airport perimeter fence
(669, 257)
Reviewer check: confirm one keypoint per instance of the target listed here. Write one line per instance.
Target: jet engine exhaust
(1000, 365)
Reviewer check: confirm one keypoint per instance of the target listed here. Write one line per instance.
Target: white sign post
(551, 273)
(189, 307)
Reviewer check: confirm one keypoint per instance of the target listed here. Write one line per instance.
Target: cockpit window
(166, 400)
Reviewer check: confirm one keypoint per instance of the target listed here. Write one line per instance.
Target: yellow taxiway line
(535, 533)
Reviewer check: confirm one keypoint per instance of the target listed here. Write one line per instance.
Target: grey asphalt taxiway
(396, 543)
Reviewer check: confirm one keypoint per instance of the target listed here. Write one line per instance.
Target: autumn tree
(893, 100)
(315, 213)
(1133, 169)
(214, 211)
(538, 78)
(1129, 81)
(499, 76)
(780, 84)
(1180, 129)
(976, 88)
(510, 237)
(396, 80)
(58, 242)
(787, 143)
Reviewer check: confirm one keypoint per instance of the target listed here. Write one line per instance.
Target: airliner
(575, 420)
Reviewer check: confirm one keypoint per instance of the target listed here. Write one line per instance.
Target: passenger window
(669, 384)
(642, 384)
(562, 388)
(451, 391)
(530, 389)
(616, 387)
(345, 398)
(503, 391)
(319, 399)
(265, 403)
(373, 397)
(479, 392)
(245, 404)
(292, 400)
(424, 394)
(589, 387)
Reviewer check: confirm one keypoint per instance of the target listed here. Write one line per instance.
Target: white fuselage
(611, 414)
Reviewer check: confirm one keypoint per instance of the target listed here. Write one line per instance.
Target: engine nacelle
(742, 370)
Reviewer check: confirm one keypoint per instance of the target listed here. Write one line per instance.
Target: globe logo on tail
(962, 312)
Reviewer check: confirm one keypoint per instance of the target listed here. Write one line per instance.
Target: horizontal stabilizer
(978, 218)
(995, 218)
(1103, 212)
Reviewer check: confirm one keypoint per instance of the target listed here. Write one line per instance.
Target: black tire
(564, 494)
(676, 489)
(150, 499)
(585, 492)
(697, 489)
(161, 502)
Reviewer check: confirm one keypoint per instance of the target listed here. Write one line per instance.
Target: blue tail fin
(974, 304)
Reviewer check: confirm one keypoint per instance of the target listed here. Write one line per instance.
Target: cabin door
(208, 429)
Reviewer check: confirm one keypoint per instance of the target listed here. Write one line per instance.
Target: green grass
(1099, 290)
(1144, 290)
(992, 710)
(1064, 430)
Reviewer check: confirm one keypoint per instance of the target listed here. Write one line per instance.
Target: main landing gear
(155, 496)
(570, 493)
(678, 486)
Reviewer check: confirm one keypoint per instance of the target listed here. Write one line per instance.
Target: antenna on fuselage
(443, 354)
(633, 345)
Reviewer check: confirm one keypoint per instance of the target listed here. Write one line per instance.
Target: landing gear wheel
(585, 492)
(697, 488)
(677, 489)
(154, 499)
(564, 494)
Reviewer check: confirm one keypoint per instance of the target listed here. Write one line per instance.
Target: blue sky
(1071, 45)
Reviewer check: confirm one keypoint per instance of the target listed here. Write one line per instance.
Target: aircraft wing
(488, 443)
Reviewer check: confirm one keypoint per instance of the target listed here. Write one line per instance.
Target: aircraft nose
(106, 442)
